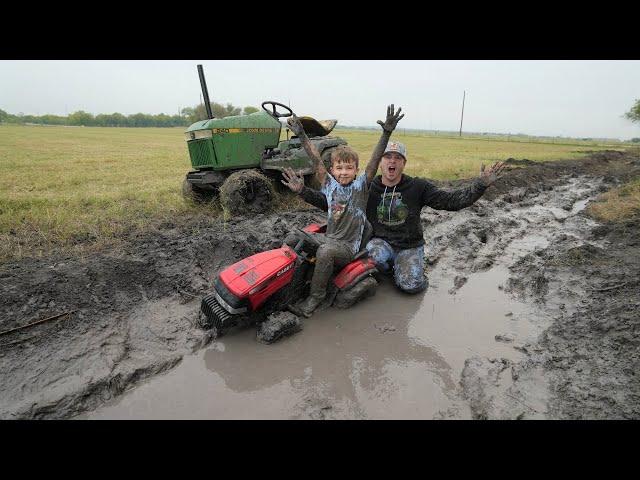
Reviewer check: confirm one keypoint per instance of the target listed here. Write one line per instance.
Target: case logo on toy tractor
(285, 269)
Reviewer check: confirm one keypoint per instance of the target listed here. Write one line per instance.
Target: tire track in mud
(137, 308)
(582, 276)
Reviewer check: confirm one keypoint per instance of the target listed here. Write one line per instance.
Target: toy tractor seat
(315, 128)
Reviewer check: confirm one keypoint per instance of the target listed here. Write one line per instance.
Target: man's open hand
(295, 125)
(293, 180)
(492, 174)
(392, 120)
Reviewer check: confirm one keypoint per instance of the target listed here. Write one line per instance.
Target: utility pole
(464, 93)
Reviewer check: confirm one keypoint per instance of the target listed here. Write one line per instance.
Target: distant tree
(117, 120)
(52, 120)
(634, 113)
(102, 120)
(80, 118)
(635, 140)
(161, 120)
(178, 121)
(250, 110)
(187, 112)
(198, 112)
(139, 120)
(227, 111)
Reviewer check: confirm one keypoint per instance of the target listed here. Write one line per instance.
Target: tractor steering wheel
(274, 112)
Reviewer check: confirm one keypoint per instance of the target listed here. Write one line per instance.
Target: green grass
(451, 157)
(617, 204)
(74, 186)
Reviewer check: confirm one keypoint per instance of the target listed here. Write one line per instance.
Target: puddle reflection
(363, 356)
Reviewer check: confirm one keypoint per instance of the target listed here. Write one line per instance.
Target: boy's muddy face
(392, 165)
(344, 173)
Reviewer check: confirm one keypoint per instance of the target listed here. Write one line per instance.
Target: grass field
(73, 186)
(618, 203)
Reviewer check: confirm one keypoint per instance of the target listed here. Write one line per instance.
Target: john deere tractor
(241, 158)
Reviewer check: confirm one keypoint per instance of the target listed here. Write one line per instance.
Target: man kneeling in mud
(344, 195)
(393, 208)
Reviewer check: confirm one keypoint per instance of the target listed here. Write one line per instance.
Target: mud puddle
(393, 356)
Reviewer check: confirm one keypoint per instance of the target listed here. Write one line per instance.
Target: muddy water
(393, 356)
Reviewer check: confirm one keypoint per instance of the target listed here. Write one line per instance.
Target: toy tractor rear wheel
(245, 192)
(195, 194)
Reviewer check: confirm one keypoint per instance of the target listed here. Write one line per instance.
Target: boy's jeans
(331, 254)
(407, 264)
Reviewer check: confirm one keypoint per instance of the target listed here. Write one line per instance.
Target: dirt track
(137, 307)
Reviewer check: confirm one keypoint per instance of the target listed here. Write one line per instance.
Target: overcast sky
(564, 98)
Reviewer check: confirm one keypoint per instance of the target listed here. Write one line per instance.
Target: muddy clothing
(346, 221)
(315, 198)
(407, 265)
(347, 209)
(394, 212)
(330, 254)
(342, 251)
(398, 244)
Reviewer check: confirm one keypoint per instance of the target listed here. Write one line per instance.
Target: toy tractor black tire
(247, 191)
(194, 194)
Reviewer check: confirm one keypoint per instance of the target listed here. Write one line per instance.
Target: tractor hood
(258, 120)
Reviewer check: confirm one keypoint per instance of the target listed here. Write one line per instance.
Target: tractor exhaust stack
(205, 93)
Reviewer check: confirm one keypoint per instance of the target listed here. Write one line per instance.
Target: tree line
(186, 117)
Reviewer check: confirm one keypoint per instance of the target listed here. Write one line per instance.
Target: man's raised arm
(296, 127)
(388, 127)
(462, 197)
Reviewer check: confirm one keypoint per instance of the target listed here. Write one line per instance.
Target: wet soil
(531, 313)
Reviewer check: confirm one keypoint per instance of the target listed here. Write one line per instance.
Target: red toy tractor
(264, 283)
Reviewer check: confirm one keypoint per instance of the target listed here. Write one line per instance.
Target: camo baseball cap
(396, 147)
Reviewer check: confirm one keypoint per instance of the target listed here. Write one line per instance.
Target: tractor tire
(246, 192)
(195, 194)
(361, 290)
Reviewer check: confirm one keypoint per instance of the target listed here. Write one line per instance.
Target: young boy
(345, 198)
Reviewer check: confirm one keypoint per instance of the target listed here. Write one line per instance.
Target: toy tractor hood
(317, 128)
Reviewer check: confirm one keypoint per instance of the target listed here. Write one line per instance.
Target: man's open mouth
(392, 169)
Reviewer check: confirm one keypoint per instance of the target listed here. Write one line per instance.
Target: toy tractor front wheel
(245, 192)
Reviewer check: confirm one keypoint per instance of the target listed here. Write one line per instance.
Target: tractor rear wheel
(245, 192)
(195, 194)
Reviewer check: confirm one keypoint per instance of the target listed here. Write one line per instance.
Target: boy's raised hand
(392, 120)
(294, 181)
(295, 125)
(492, 174)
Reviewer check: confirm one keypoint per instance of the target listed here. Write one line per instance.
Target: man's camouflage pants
(407, 265)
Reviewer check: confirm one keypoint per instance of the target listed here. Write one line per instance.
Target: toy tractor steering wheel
(274, 112)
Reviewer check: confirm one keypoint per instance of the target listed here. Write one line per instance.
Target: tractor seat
(315, 128)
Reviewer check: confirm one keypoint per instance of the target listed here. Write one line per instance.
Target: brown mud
(531, 313)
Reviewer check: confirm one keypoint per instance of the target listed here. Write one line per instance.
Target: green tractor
(241, 158)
